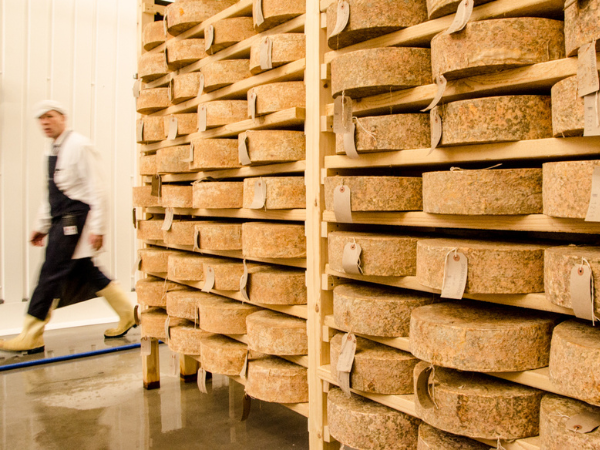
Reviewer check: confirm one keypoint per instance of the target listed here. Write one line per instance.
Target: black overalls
(71, 280)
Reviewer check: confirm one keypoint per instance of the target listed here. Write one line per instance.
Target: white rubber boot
(117, 299)
(31, 339)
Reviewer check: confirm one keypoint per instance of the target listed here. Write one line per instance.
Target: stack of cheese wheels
(361, 423)
(185, 14)
(180, 233)
(557, 430)
(219, 236)
(275, 12)
(148, 165)
(273, 240)
(376, 310)
(154, 291)
(188, 266)
(227, 32)
(183, 52)
(224, 316)
(275, 97)
(285, 48)
(156, 260)
(272, 379)
(176, 196)
(184, 87)
(219, 74)
(219, 195)
(152, 100)
(274, 333)
(185, 338)
(282, 192)
(476, 405)
(154, 35)
(278, 286)
(150, 230)
(575, 360)
(582, 24)
(273, 146)
(452, 335)
(170, 159)
(567, 109)
(493, 267)
(143, 198)
(222, 355)
(377, 368)
(215, 154)
(184, 303)
(430, 438)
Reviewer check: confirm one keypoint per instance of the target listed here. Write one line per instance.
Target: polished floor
(99, 403)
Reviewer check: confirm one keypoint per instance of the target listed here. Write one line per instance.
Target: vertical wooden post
(151, 367)
(188, 368)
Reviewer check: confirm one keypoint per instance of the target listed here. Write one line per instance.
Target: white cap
(45, 106)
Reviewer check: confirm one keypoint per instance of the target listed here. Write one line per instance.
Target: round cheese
(152, 66)
(228, 32)
(582, 25)
(154, 35)
(282, 192)
(273, 240)
(278, 286)
(143, 198)
(219, 195)
(275, 97)
(185, 339)
(567, 109)
(155, 260)
(431, 438)
(215, 154)
(185, 14)
(184, 52)
(184, 87)
(153, 291)
(152, 100)
(184, 304)
(276, 12)
(222, 73)
(276, 380)
(176, 196)
(274, 146)
(170, 159)
(224, 316)
(274, 333)
(286, 48)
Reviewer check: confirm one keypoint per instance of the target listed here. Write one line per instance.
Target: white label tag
(441, 83)
(209, 37)
(345, 361)
(342, 207)
(166, 24)
(260, 194)
(172, 128)
(266, 53)
(174, 364)
(587, 70)
(423, 396)
(593, 212)
(243, 155)
(190, 157)
(582, 292)
(202, 381)
(342, 114)
(257, 13)
(244, 372)
(455, 275)
(202, 118)
(244, 283)
(145, 346)
(436, 128)
(350, 143)
(168, 328)
(140, 131)
(591, 114)
(171, 90)
(583, 423)
(137, 266)
(201, 87)
(168, 222)
(351, 258)
(462, 16)
(196, 240)
(341, 19)
(209, 279)
(252, 105)
(70, 230)
(136, 88)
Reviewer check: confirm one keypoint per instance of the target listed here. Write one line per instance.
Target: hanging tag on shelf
(345, 361)
(257, 13)
(171, 90)
(351, 258)
(166, 24)
(247, 407)
(593, 212)
(266, 53)
(145, 346)
(455, 275)
(135, 217)
(260, 194)
(202, 381)
(196, 240)
(342, 204)
(190, 157)
(587, 70)
(201, 87)
(156, 190)
(436, 128)
(583, 423)
(350, 143)
(244, 283)
(137, 266)
(172, 128)
(202, 121)
(423, 397)
(209, 279)
(252, 105)
(582, 292)
(342, 115)
(441, 83)
(136, 88)
(462, 16)
(168, 329)
(244, 372)
(174, 366)
(140, 130)
(243, 155)
(168, 222)
(209, 38)
(341, 18)
(136, 314)
(591, 114)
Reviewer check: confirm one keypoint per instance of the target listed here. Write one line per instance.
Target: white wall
(83, 54)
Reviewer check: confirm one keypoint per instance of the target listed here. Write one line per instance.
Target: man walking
(72, 215)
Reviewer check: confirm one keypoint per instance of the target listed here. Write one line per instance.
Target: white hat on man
(45, 106)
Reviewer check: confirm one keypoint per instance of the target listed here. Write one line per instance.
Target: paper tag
(350, 143)
(252, 105)
(168, 328)
(136, 88)
(171, 90)
(342, 115)
(341, 204)
(583, 423)
(463, 14)
(593, 212)
(244, 283)
(347, 352)
(266, 53)
(135, 217)
(422, 389)
(196, 240)
(591, 113)
(441, 83)
(145, 346)
(202, 381)
(351, 258)
(260, 194)
(257, 13)
(209, 281)
(70, 230)
(137, 266)
(247, 407)
(202, 118)
(136, 314)
(244, 371)
(342, 17)
(582, 292)
(209, 37)
(201, 87)
(587, 70)
(156, 190)
(140, 130)
(436, 128)
(243, 155)
(166, 53)
(168, 222)
(190, 157)
(175, 370)
(455, 275)
(166, 24)
(172, 128)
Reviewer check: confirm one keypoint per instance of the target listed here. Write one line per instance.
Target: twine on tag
(431, 387)
(592, 292)
(356, 119)
(441, 82)
(499, 446)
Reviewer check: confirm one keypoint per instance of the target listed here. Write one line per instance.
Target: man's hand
(96, 241)
(37, 239)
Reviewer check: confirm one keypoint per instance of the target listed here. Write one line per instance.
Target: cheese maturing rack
(250, 210)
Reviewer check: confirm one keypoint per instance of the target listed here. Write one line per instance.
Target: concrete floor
(99, 403)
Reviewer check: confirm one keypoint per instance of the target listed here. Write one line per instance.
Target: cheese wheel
(380, 70)
(150, 230)
(224, 316)
(143, 198)
(483, 192)
(275, 97)
(479, 406)
(154, 291)
(184, 87)
(575, 360)
(181, 233)
(376, 310)
(555, 435)
(493, 45)
(382, 255)
(185, 339)
(219, 236)
(274, 146)
(361, 423)
(152, 100)
(276, 12)
(224, 112)
(184, 52)
(171, 159)
(185, 14)
(285, 48)
(155, 260)
(153, 323)
(370, 19)
(377, 368)
(154, 129)
(558, 264)
(496, 119)
(481, 337)
(439, 8)
(219, 74)
(389, 133)
(276, 334)
(378, 193)
(567, 188)
(278, 286)
(148, 165)
(222, 355)
(273, 240)
(276, 380)
(176, 196)
(228, 32)
(219, 195)
(493, 267)
(152, 66)
(185, 124)
(582, 25)
(215, 154)
(228, 273)
(431, 438)
(567, 109)
(154, 35)
(188, 266)
(184, 304)
(282, 192)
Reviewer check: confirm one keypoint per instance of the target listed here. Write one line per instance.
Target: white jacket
(79, 177)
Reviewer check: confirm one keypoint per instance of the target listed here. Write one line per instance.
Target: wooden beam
(243, 172)
(151, 366)
(188, 368)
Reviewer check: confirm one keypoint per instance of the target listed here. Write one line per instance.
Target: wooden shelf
(530, 301)
(531, 222)
(292, 117)
(295, 215)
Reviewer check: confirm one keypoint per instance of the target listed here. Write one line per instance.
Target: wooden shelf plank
(243, 172)
(531, 222)
(295, 215)
(535, 149)
(401, 343)
(530, 301)
(292, 117)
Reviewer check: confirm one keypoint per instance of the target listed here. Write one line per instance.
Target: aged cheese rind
(184, 52)
(170, 159)
(148, 165)
(370, 19)
(483, 192)
(494, 45)
(276, 12)
(227, 273)
(377, 368)
(219, 195)
(567, 188)
(278, 286)
(142, 197)
(153, 323)
(496, 119)
(154, 129)
(181, 233)
(567, 109)
(150, 230)
(493, 267)
(273, 240)
(430, 438)
(153, 291)
(188, 266)
(376, 71)
(185, 339)
(286, 48)
(275, 97)
(282, 192)
(582, 25)
(274, 333)
(365, 424)
(222, 355)
(389, 133)
(215, 154)
(154, 35)
(275, 380)
(575, 360)
(480, 337)
(176, 196)
(554, 414)
(376, 310)
(152, 100)
(185, 14)
(224, 112)
(382, 254)
(186, 124)
(378, 193)
(184, 303)
(185, 87)
(479, 406)
(155, 260)
(223, 73)
(152, 66)
(224, 316)
(220, 236)
(439, 8)
(272, 146)
(228, 32)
